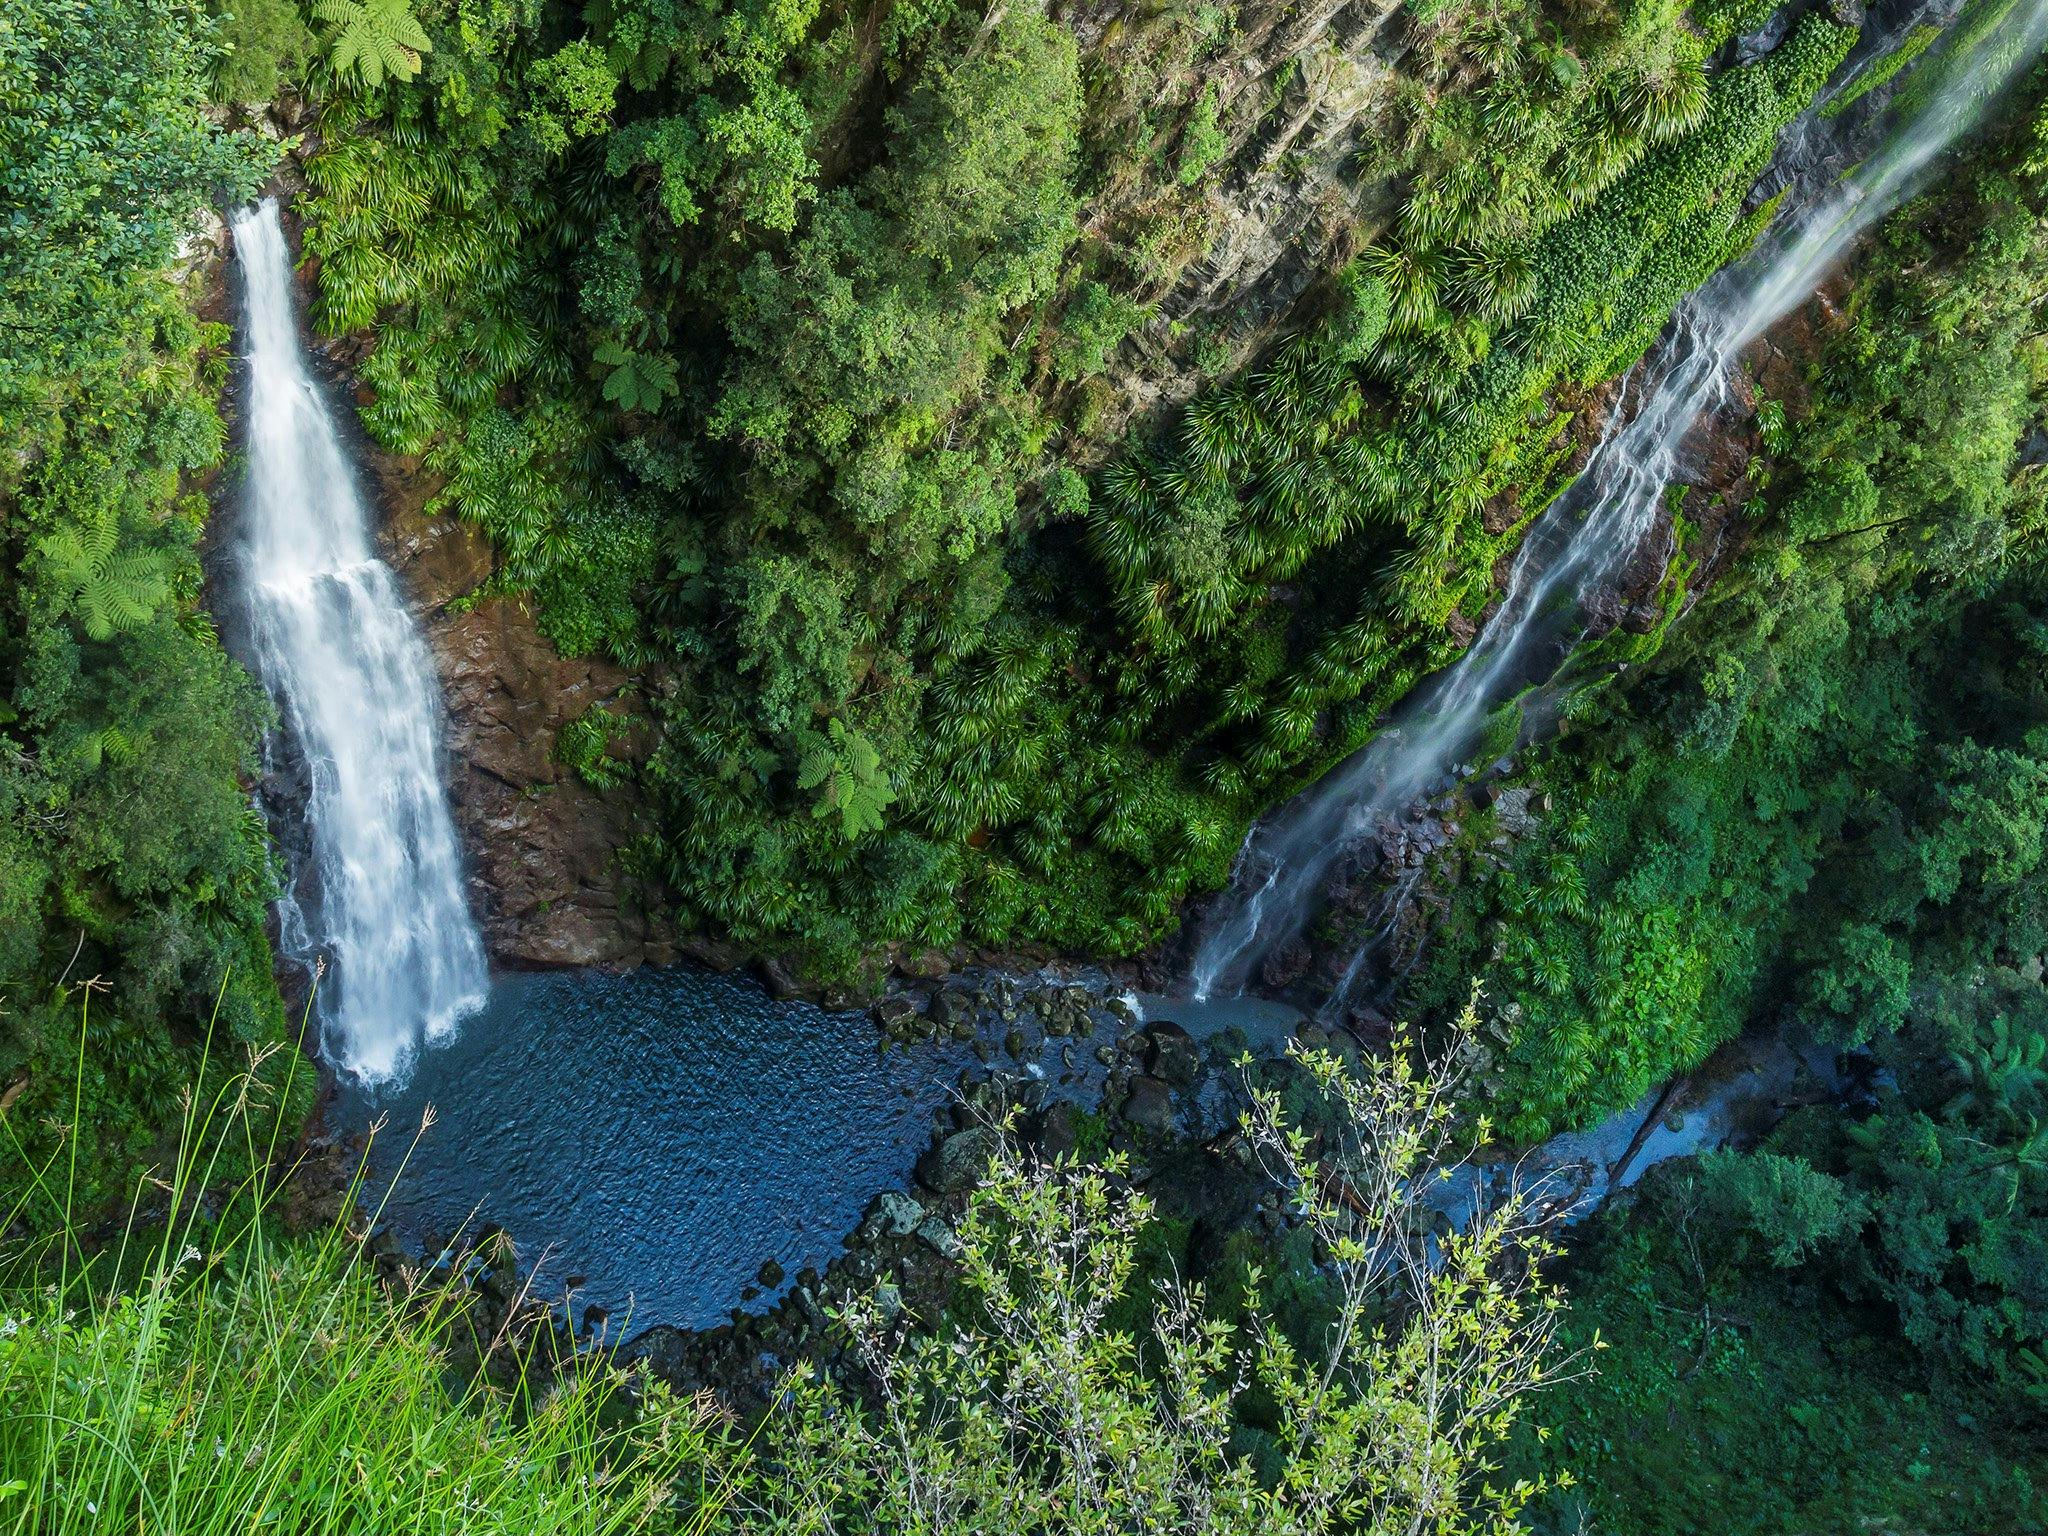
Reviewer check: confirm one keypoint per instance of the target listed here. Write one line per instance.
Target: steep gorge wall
(1299, 101)
(1304, 109)
(1305, 100)
(546, 880)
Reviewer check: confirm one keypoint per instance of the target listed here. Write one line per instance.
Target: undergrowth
(199, 1373)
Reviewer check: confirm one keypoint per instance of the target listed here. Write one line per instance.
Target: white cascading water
(1578, 546)
(332, 641)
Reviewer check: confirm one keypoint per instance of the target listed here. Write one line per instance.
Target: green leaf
(371, 39)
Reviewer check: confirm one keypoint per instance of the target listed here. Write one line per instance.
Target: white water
(1580, 544)
(333, 643)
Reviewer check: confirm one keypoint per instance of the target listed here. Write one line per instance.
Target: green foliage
(1782, 1205)
(1202, 142)
(1364, 311)
(845, 769)
(583, 746)
(207, 1376)
(1742, 1399)
(1952, 1165)
(108, 589)
(370, 40)
(104, 159)
(573, 91)
(1095, 322)
(761, 347)
(638, 381)
(1881, 71)
(131, 861)
(263, 44)
(1062, 1394)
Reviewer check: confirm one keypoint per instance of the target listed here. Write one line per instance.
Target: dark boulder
(952, 1006)
(1148, 1104)
(1058, 1131)
(895, 1010)
(939, 1237)
(956, 1164)
(1172, 1054)
(890, 1214)
(782, 978)
(930, 964)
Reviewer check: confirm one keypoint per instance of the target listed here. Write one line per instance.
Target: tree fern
(370, 39)
(109, 590)
(637, 381)
(844, 766)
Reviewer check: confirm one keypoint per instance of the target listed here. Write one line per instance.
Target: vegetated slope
(770, 343)
(131, 861)
(1825, 801)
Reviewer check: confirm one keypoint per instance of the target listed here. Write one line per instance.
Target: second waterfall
(331, 639)
(1575, 551)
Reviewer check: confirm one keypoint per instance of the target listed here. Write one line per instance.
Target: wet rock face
(544, 878)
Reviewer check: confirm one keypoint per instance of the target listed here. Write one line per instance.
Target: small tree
(1029, 1410)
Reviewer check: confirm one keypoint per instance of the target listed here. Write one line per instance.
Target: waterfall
(332, 641)
(1577, 547)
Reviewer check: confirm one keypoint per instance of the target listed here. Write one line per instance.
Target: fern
(109, 590)
(372, 38)
(847, 769)
(108, 745)
(638, 381)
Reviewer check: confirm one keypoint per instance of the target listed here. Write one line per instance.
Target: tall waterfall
(1578, 546)
(332, 641)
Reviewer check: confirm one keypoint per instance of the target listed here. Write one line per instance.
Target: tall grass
(195, 1372)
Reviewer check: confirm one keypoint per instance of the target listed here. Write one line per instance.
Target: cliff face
(1304, 115)
(545, 878)
(1300, 103)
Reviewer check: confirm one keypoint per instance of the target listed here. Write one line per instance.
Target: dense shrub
(131, 861)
